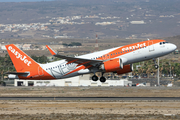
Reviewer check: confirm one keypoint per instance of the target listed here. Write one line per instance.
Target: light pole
(170, 71)
(158, 73)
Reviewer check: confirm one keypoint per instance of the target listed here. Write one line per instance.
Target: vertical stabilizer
(21, 61)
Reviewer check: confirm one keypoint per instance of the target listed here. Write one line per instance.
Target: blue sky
(23, 0)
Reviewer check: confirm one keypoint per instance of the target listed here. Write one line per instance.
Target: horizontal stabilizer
(17, 73)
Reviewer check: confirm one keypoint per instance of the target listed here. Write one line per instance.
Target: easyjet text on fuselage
(134, 47)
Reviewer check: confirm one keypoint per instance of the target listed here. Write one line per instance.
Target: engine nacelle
(126, 69)
(112, 65)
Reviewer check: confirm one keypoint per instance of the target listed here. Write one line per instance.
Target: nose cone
(173, 47)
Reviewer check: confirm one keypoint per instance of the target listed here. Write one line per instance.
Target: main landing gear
(94, 78)
(102, 78)
(156, 66)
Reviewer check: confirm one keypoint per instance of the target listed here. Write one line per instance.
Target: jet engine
(112, 65)
(126, 69)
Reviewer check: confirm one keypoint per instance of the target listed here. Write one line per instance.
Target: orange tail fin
(21, 61)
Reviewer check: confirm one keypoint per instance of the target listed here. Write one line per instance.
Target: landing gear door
(151, 46)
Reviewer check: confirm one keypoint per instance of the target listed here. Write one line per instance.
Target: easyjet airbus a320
(119, 60)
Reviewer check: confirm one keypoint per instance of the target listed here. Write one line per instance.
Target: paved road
(96, 98)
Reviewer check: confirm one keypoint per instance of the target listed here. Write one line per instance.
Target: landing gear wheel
(156, 66)
(94, 78)
(155, 63)
(103, 79)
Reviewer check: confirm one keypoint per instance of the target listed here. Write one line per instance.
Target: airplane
(118, 60)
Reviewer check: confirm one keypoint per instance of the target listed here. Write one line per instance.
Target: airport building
(84, 80)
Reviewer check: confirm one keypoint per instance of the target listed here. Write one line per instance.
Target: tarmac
(95, 98)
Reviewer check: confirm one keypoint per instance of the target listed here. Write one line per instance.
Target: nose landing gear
(156, 65)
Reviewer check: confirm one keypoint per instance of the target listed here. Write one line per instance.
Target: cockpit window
(163, 43)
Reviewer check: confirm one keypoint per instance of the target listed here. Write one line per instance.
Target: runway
(95, 98)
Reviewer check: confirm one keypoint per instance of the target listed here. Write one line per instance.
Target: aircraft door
(151, 46)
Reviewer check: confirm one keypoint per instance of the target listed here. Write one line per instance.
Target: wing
(79, 61)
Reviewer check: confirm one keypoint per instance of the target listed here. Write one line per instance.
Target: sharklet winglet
(51, 50)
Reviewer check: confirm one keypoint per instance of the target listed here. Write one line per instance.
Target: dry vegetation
(50, 110)
(89, 92)
(80, 110)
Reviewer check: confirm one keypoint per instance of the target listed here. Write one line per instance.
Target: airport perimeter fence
(152, 81)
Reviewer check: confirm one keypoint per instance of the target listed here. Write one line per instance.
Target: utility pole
(170, 71)
(158, 73)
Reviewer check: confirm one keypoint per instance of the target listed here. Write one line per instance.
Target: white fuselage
(59, 69)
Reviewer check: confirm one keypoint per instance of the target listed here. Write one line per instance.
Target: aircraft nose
(173, 47)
